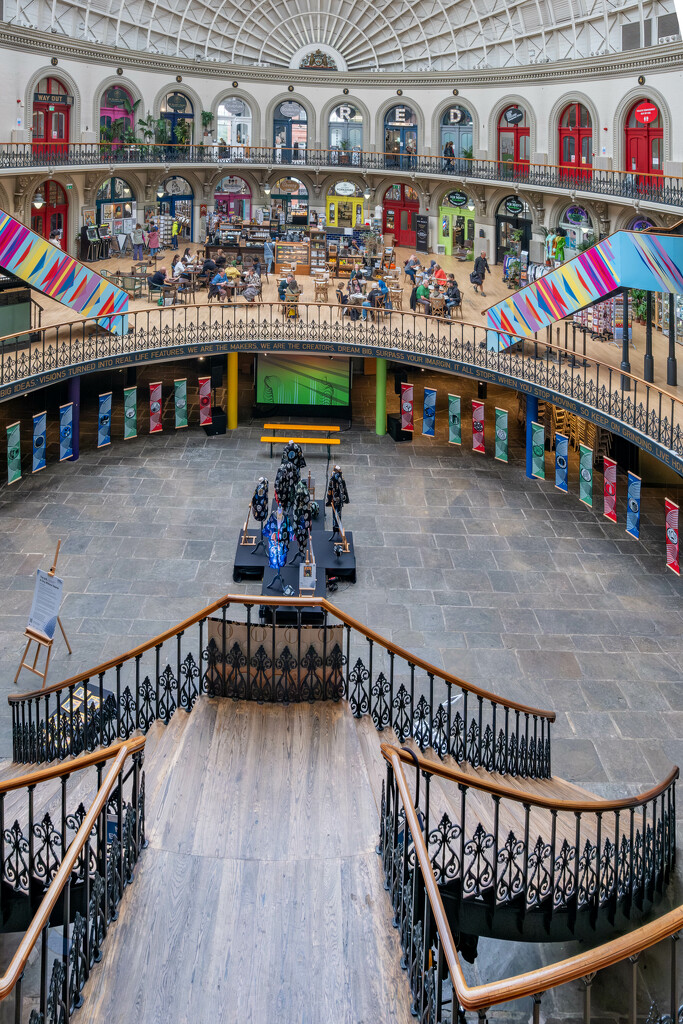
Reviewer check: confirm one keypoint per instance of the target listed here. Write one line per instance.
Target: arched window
(289, 202)
(401, 206)
(644, 138)
(176, 200)
(513, 217)
(346, 132)
(290, 132)
(232, 198)
(576, 139)
(117, 114)
(641, 224)
(51, 116)
(116, 206)
(400, 137)
(178, 114)
(49, 210)
(233, 126)
(457, 138)
(577, 225)
(513, 138)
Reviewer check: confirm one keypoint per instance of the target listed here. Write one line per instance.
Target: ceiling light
(266, 189)
(470, 204)
(38, 200)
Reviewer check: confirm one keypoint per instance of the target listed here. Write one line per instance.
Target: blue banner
(429, 412)
(561, 461)
(39, 441)
(633, 505)
(66, 447)
(104, 421)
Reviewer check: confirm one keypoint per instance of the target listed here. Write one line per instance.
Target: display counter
(287, 253)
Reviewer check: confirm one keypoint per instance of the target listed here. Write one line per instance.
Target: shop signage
(115, 97)
(176, 101)
(577, 215)
(422, 233)
(177, 187)
(345, 113)
(232, 184)
(288, 185)
(234, 106)
(291, 109)
(646, 112)
(457, 198)
(51, 97)
(345, 188)
(514, 205)
(514, 115)
(455, 115)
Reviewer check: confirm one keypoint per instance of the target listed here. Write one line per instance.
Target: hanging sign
(407, 407)
(155, 408)
(66, 449)
(609, 489)
(633, 505)
(646, 112)
(458, 198)
(345, 188)
(538, 450)
(454, 422)
(130, 413)
(287, 185)
(577, 215)
(429, 412)
(180, 396)
(232, 184)
(176, 101)
(514, 205)
(204, 401)
(13, 453)
(51, 97)
(104, 421)
(672, 551)
(39, 441)
(513, 115)
(501, 449)
(292, 109)
(586, 475)
(478, 444)
(561, 462)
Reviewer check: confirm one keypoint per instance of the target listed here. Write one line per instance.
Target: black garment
(303, 516)
(337, 493)
(158, 278)
(481, 268)
(259, 502)
(285, 484)
(413, 299)
(453, 293)
(209, 265)
(293, 452)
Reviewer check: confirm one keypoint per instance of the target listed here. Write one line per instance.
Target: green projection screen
(302, 380)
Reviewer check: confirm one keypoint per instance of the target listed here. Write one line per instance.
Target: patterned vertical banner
(180, 401)
(104, 421)
(586, 475)
(633, 505)
(429, 412)
(66, 443)
(609, 489)
(155, 408)
(407, 407)
(538, 450)
(39, 441)
(13, 453)
(454, 422)
(672, 555)
(478, 444)
(501, 435)
(130, 413)
(561, 462)
(204, 401)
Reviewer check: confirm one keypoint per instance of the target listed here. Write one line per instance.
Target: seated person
(220, 286)
(281, 288)
(422, 295)
(440, 275)
(252, 287)
(257, 266)
(159, 279)
(292, 290)
(410, 266)
(181, 275)
(379, 290)
(453, 296)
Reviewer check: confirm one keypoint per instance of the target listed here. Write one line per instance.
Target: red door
(52, 215)
(401, 207)
(51, 112)
(576, 142)
(644, 142)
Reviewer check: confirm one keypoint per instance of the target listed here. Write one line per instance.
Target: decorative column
(625, 362)
(671, 370)
(74, 395)
(231, 391)
(531, 416)
(648, 362)
(380, 397)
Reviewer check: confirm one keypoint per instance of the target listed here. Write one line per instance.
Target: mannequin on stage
(278, 533)
(337, 497)
(293, 453)
(285, 483)
(259, 506)
(303, 518)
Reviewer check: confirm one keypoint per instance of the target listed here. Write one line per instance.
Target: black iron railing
(230, 650)
(648, 415)
(656, 188)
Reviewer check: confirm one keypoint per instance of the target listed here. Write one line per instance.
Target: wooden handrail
(18, 962)
(499, 789)
(292, 602)
(66, 767)
(531, 983)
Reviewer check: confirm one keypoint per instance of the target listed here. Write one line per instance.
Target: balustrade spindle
(157, 675)
(65, 952)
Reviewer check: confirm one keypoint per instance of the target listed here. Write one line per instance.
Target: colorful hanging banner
(155, 408)
(501, 435)
(454, 422)
(130, 413)
(180, 401)
(538, 450)
(586, 475)
(609, 489)
(672, 553)
(104, 421)
(204, 401)
(66, 444)
(13, 453)
(429, 412)
(561, 462)
(478, 427)
(633, 505)
(39, 441)
(407, 407)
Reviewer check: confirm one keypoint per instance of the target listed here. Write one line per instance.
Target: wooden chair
(132, 284)
(456, 311)
(164, 291)
(320, 291)
(438, 306)
(396, 296)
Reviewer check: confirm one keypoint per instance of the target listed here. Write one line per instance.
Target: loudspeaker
(219, 422)
(400, 377)
(216, 375)
(481, 389)
(394, 429)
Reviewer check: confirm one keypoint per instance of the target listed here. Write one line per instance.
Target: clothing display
(303, 516)
(337, 494)
(285, 484)
(278, 534)
(293, 452)
(259, 501)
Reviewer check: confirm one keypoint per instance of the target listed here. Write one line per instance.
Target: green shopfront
(456, 222)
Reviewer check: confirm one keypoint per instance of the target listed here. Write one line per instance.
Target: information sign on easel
(43, 619)
(308, 572)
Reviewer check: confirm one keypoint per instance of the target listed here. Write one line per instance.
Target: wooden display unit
(287, 253)
(318, 250)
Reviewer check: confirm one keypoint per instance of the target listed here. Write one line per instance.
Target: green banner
(454, 422)
(130, 413)
(180, 392)
(538, 450)
(501, 435)
(586, 475)
(13, 453)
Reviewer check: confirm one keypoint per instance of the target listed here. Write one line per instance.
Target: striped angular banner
(454, 420)
(39, 441)
(561, 462)
(104, 421)
(180, 401)
(429, 413)
(407, 407)
(13, 453)
(609, 489)
(586, 475)
(130, 413)
(501, 452)
(66, 441)
(478, 442)
(633, 505)
(155, 425)
(205, 417)
(672, 550)
(538, 450)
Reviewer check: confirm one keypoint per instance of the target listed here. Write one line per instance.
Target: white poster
(47, 598)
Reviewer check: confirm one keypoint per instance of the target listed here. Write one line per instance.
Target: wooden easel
(309, 572)
(40, 640)
(247, 539)
(344, 541)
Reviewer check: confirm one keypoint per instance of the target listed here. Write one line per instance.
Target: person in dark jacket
(453, 296)
(481, 268)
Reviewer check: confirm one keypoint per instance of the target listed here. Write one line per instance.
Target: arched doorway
(400, 137)
(290, 132)
(576, 140)
(644, 138)
(117, 115)
(512, 215)
(233, 131)
(49, 211)
(456, 131)
(51, 117)
(513, 140)
(401, 207)
(232, 198)
(344, 205)
(176, 200)
(579, 231)
(456, 221)
(178, 114)
(116, 209)
(289, 203)
(346, 134)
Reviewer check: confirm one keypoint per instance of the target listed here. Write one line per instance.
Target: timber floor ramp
(260, 897)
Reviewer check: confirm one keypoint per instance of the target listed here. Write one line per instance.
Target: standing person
(481, 268)
(175, 231)
(153, 240)
(449, 154)
(138, 242)
(55, 239)
(268, 254)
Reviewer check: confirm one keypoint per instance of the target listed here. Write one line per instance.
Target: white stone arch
(554, 123)
(191, 95)
(353, 101)
(107, 83)
(70, 83)
(440, 110)
(190, 176)
(439, 196)
(130, 177)
(385, 183)
(239, 172)
(629, 213)
(240, 94)
(4, 200)
(619, 123)
(73, 202)
(555, 211)
(399, 101)
(305, 179)
(295, 97)
(495, 114)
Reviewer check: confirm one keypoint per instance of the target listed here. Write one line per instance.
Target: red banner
(204, 401)
(672, 554)
(609, 489)
(155, 408)
(407, 407)
(478, 427)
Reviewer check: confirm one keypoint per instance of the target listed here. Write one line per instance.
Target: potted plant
(344, 155)
(207, 121)
(183, 133)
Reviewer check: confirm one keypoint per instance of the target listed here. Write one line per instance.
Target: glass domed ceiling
(362, 35)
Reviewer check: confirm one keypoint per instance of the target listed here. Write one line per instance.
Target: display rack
(287, 253)
(318, 250)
